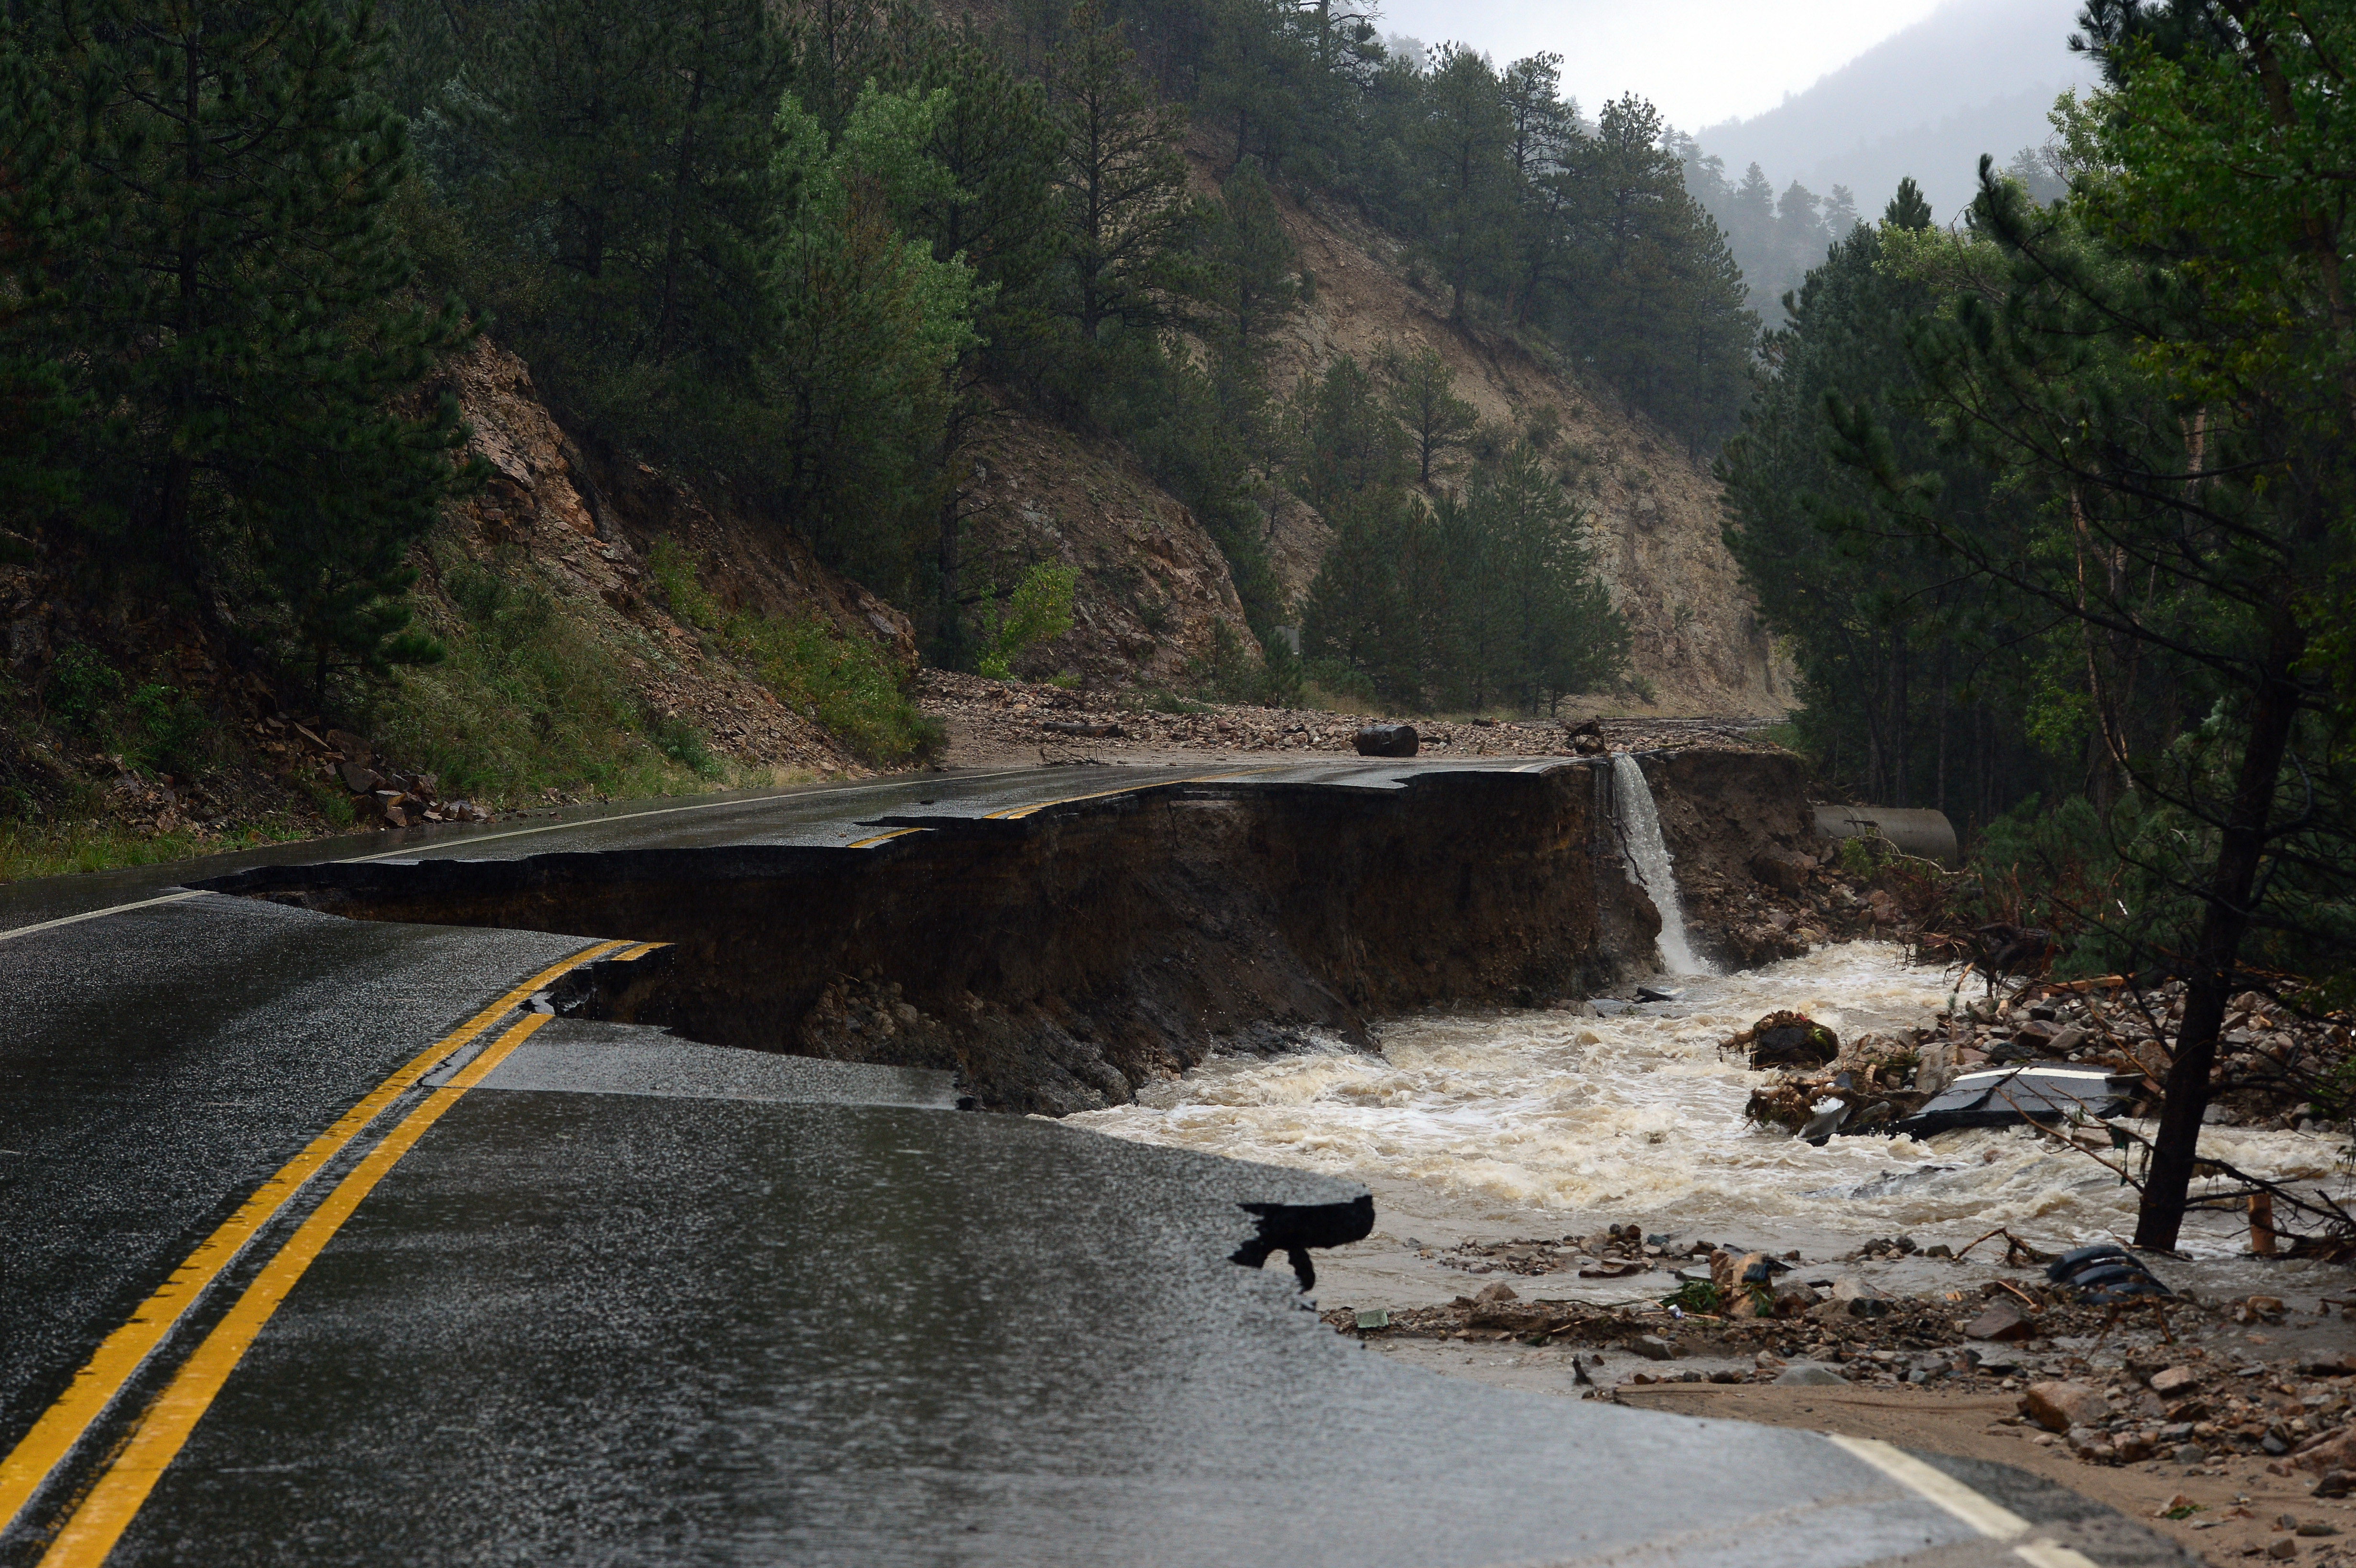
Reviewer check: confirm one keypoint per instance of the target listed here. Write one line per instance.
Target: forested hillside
(2056, 508)
(1009, 317)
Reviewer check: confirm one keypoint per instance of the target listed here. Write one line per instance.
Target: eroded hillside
(1653, 509)
(1152, 581)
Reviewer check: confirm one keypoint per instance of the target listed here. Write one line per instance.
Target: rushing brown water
(1638, 1116)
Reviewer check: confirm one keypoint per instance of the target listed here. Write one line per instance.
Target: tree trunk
(2240, 850)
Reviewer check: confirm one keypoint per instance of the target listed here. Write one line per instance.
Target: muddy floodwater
(1506, 1123)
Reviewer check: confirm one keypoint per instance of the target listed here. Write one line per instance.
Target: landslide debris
(1003, 721)
(2173, 1380)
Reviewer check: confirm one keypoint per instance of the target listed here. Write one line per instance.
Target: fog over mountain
(1975, 76)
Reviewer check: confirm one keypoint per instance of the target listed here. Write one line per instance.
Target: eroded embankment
(1059, 962)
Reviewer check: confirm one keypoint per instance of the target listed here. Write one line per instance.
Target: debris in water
(1786, 1040)
(2104, 1273)
(1824, 1119)
(2043, 1093)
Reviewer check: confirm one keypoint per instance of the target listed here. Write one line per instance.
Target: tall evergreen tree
(617, 173)
(1122, 181)
(233, 299)
(1464, 145)
(1421, 396)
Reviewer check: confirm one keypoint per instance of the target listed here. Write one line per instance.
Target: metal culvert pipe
(1916, 830)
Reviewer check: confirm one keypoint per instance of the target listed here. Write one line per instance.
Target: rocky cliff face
(1152, 584)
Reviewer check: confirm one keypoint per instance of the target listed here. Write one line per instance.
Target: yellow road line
(120, 1353)
(885, 838)
(1017, 813)
(163, 1427)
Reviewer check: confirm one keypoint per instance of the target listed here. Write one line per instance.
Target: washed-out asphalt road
(324, 1243)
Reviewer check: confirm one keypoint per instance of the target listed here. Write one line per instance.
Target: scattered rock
(1853, 1298)
(2174, 1381)
(2059, 1406)
(2003, 1321)
(1810, 1375)
(1497, 1291)
(1653, 1348)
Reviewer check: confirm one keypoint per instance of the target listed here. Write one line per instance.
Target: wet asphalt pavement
(634, 1299)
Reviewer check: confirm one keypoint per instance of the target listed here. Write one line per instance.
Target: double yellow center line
(108, 1508)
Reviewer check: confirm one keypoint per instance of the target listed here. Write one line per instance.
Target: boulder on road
(2059, 1406)
(1653, 1348)
(1386, 740)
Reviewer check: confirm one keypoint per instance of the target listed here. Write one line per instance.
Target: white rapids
(1639, 1117)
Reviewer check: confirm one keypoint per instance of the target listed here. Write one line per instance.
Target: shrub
(674, 572)
(1038, 611)
(83, 689)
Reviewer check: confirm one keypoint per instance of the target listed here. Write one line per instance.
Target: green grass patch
(851, 687)
(56, 850)
(528, 700)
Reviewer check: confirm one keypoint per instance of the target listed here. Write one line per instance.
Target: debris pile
(2270, 1064)
(1867, 1085)
(1004, 718)
(2112, 1376)
(388, 798)
(1612, 1253)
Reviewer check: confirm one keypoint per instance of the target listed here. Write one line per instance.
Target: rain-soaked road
(323, 1246)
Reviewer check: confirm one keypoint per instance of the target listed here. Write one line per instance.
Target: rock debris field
(999, 722)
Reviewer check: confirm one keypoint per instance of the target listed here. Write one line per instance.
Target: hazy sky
(1701, 62)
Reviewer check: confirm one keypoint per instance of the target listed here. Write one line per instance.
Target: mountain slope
(1969, 79)
(1652, 508)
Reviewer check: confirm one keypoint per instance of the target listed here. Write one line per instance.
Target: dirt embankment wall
(1061, 961)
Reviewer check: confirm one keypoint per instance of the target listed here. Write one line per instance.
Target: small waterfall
(1648, 863)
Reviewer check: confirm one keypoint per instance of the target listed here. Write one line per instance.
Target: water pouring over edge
(1649, 864)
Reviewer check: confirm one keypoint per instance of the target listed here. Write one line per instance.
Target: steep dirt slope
(582, 522)
(1153, 583)
(1654, 511)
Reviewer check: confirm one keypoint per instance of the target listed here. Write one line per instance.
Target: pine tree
(1463, 144)
(995, 207)
(855, 375)
(617, 172)
(1250, 267)
(1421, 396)
(237, 307)
(1123, 182)
(38, 404)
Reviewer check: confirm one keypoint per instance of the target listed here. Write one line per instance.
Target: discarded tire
(1387, 741)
